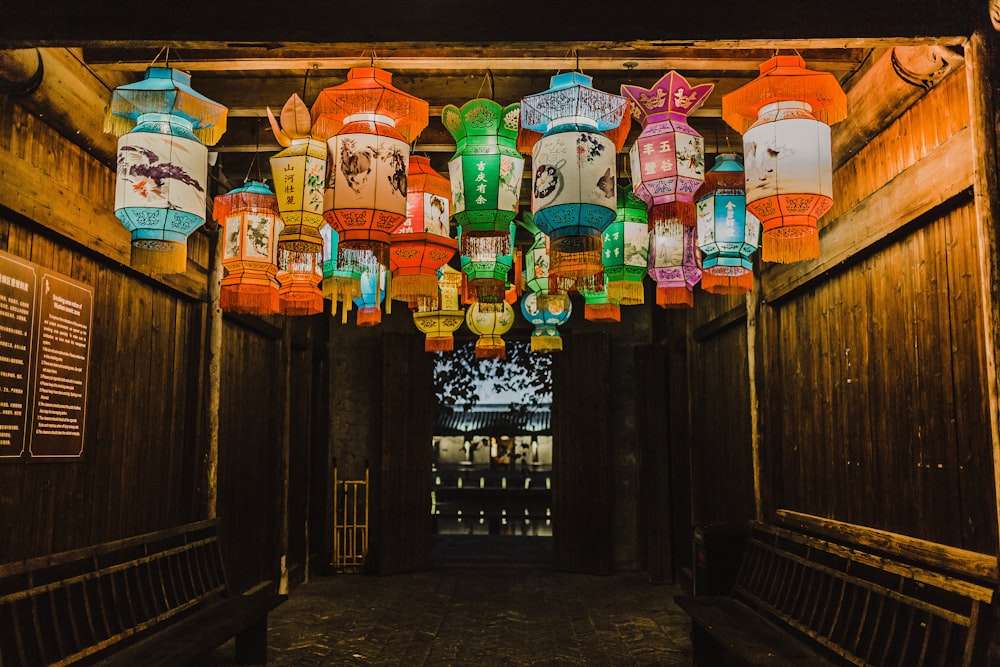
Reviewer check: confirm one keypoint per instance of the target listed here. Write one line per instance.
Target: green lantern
(487, 272)
(626, 250)
(485, 173)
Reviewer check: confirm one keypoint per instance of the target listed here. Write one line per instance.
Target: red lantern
(421, 245)
(299, 274)
(784, 116)
(370, 123)
(250, 224)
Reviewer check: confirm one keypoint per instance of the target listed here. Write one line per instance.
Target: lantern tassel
(601, 312)
(546, 343)
(727, 284)
(683, 212)
(369, 316)
(439, 344)
(159, 257)
(301, 303)
(626, 292)
(249, 299)
(674, 297)
(784, 249)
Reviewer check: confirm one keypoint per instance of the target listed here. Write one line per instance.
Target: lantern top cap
(672, 97)
(168, 91)
(368, 90)
(481, 117)
(727, 162)
(785, 78)
(571, 96)
(251, 195)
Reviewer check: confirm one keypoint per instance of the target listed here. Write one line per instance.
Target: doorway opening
(491, 489)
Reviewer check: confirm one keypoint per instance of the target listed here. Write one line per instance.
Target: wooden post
(981, 67)
(214, 370)
(286, 423)
(755, 352)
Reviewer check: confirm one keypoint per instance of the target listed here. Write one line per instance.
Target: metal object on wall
(350, 523)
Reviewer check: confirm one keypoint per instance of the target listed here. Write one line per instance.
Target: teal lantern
(728, 234)
(162, 167)
(573, 187)
(626, 250)
(547, 314)
(369, 303)
(485, 174)
(341, 278)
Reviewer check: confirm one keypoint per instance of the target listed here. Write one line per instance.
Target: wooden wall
(146, 439)
(870, 362)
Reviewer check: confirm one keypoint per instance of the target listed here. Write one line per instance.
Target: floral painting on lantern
(258, 241)
(232, 250)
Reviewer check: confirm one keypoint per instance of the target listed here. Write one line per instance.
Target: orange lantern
(250, 224)
(421, 245)
(370, 124)
(784, 116)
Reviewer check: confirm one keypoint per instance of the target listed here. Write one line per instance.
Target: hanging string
(305, 83)
(158, 54)
(253, 160)
(489, 75)
(576, 52)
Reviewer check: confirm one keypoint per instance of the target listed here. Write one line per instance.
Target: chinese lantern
(626, 250)
(440, 320)
(486, 273)
(299, 173)
(784, 116)
(422, 245)
(372, 295)
(485, 174)
(727, 234)
(674, 263)
(164, 128)
(490, 326)
(668, 158)
(546, 314)
(250, 224)
(299, 276)
(573, 189)
(341, 279)
(597, 307)
(370, 124)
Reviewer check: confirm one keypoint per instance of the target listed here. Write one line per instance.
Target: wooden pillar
(214, 370)
(755, 358)
(982, 70)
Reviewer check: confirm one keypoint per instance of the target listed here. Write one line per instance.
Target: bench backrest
(58, 609)
(867, 608)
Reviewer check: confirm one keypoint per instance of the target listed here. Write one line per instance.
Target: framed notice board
(45, 331)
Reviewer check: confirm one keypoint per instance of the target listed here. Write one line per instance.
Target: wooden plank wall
(144, 465)
(875, 404)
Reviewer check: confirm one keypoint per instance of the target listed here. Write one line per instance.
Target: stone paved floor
(461, 615)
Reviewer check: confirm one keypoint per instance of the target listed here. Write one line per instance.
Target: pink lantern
(674, 263)
(668, 158)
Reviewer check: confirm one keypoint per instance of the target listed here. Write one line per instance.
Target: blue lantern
(372, 295)
(573, 187)
(162, 166)
(728, 234)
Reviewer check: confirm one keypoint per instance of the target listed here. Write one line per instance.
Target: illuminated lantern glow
(250, 224)
(422, 245)
(299, 276)
(441, 320)
(484, 173)
(674, 263)
(341, 280)
(667, 159)
(373, 280)
(486, 273)
(490, 326)
(546, 314)
(784, 116)
(626, 250)
(299, 174)
(370, 124)
(728, 235)
(163, 127)
(573, 185)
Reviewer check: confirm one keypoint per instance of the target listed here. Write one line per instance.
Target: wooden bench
(156, 599)
(807, 595)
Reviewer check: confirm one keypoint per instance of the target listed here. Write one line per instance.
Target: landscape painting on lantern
(232, 237)
(148, 180)
(787, 162)
(636, 247)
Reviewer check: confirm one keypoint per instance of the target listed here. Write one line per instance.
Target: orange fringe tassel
(683, 212)
(369, 317)
(249, 299)
(778, 246)
(297, 304)
(739, 284)
(439, 344)
(602, 312)
(674, 297)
